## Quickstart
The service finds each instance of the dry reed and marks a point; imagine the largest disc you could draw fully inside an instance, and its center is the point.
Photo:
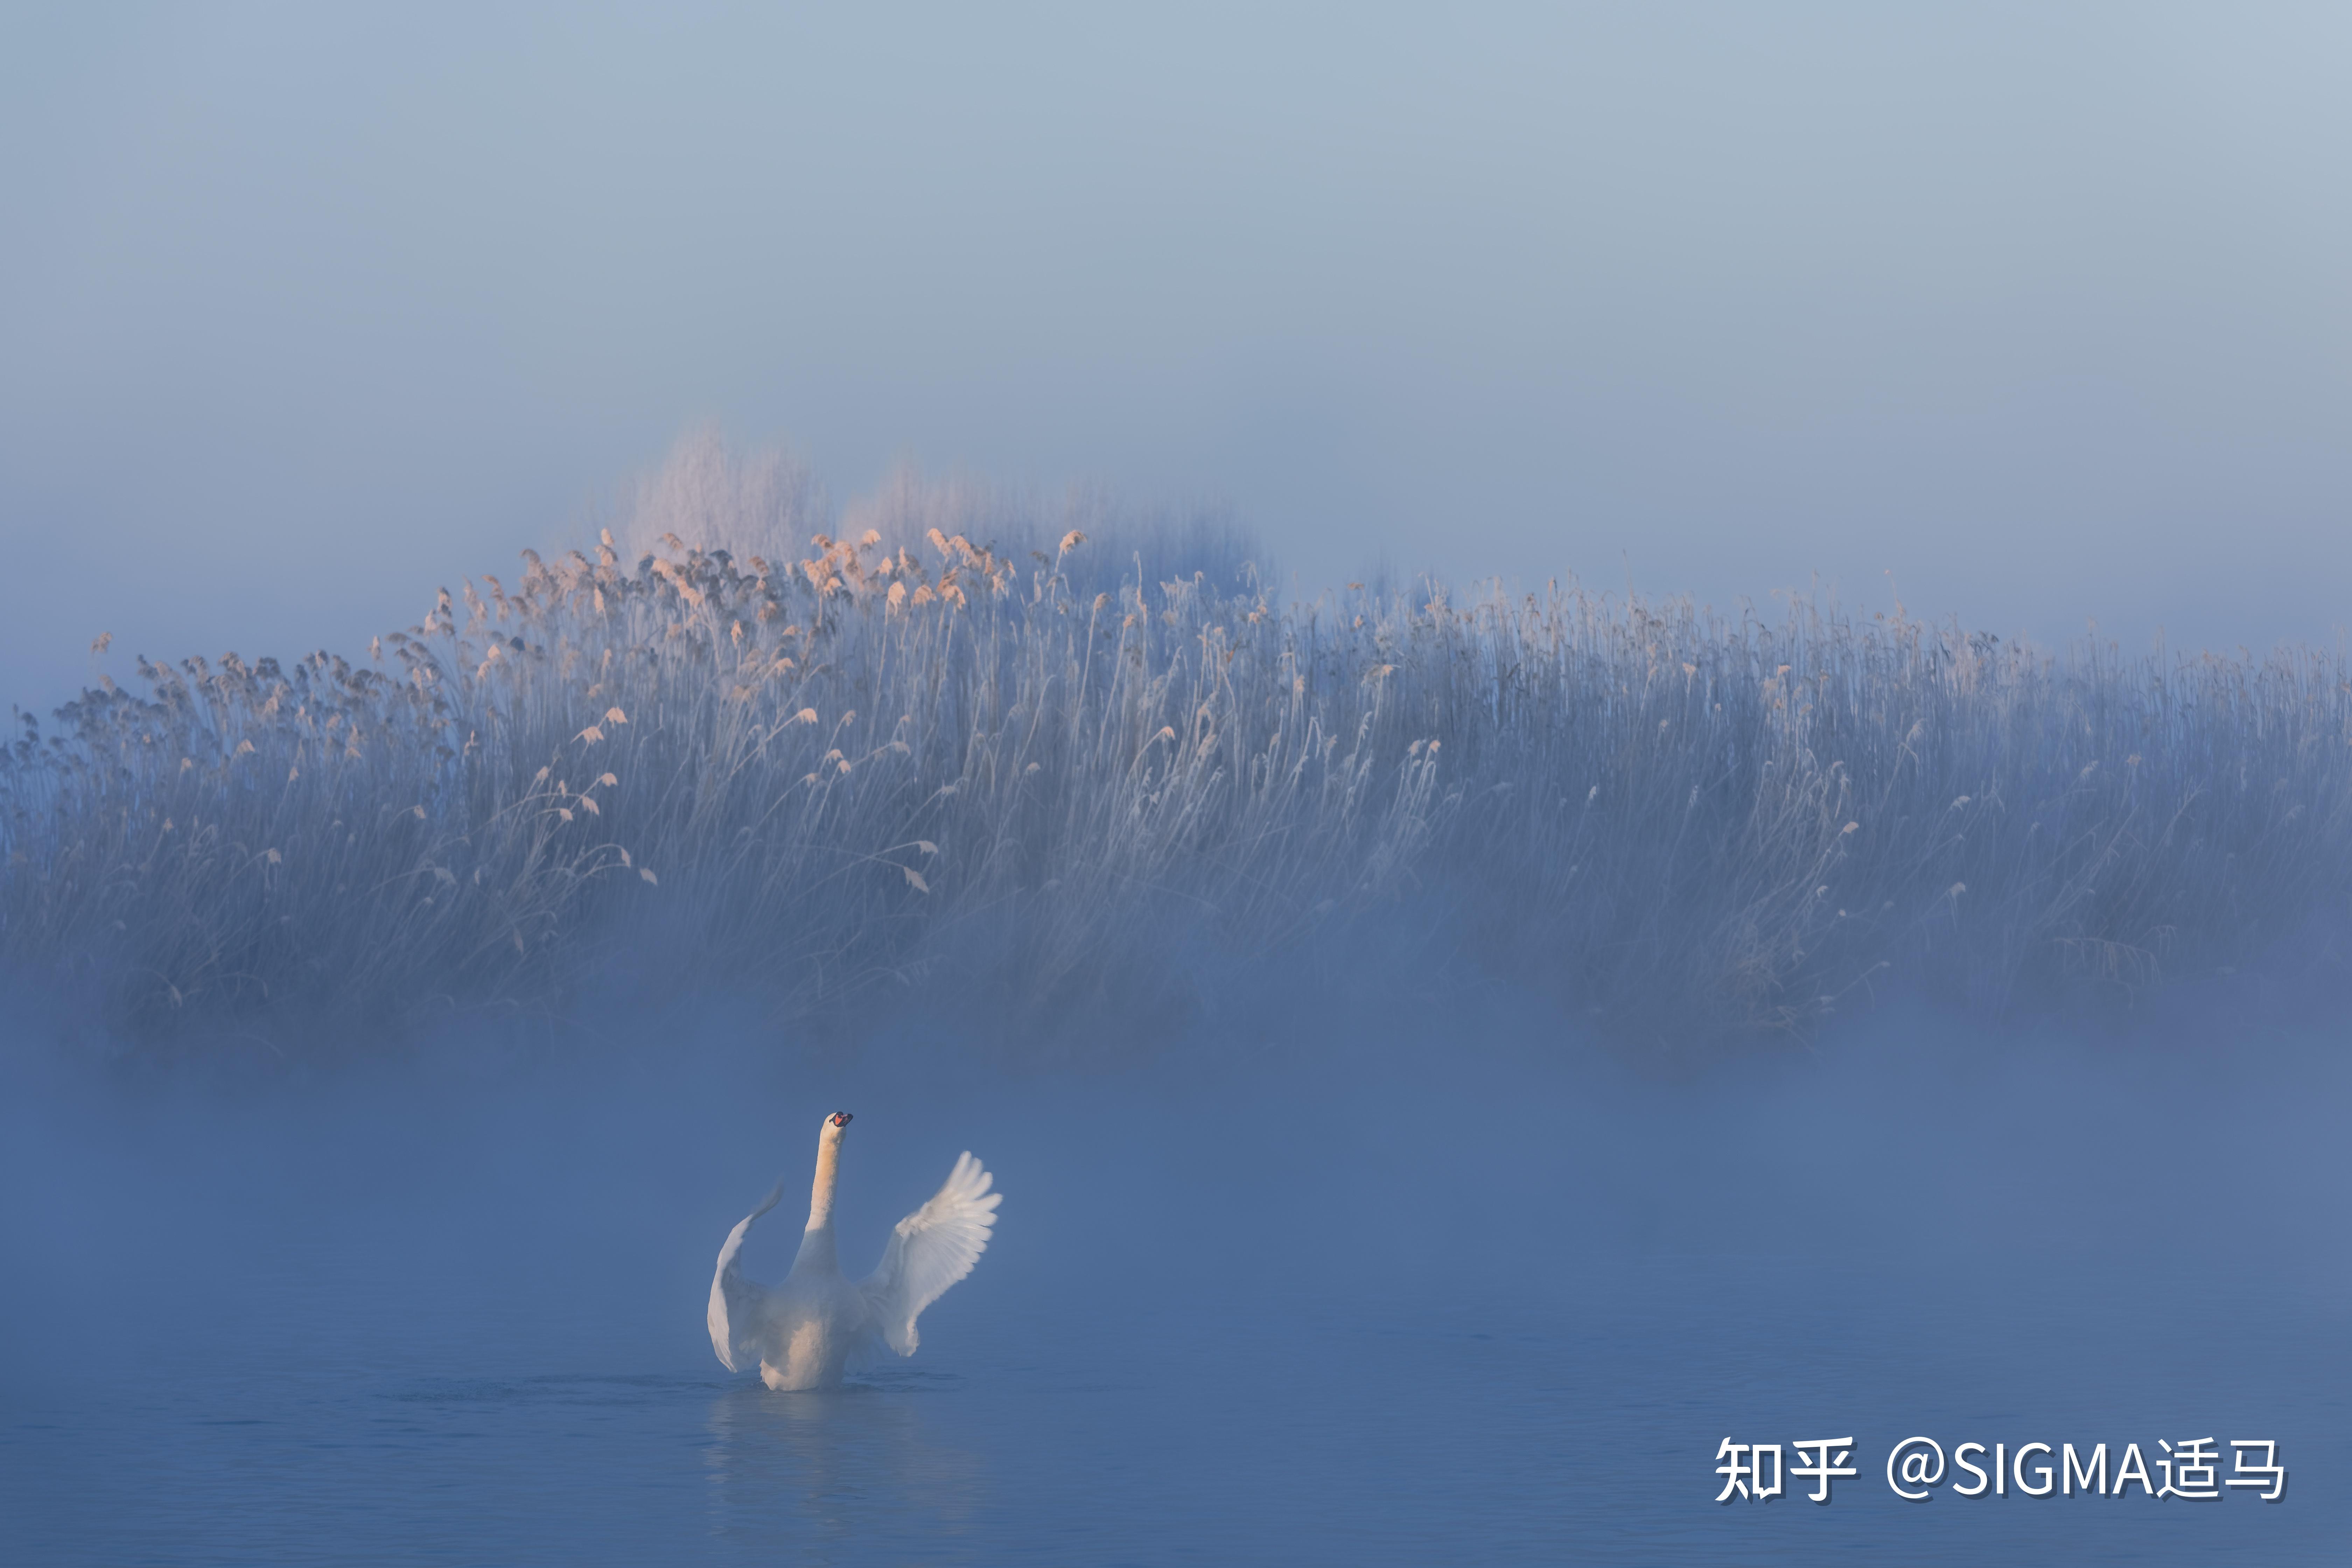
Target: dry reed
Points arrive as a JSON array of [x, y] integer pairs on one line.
[[1051, 776]]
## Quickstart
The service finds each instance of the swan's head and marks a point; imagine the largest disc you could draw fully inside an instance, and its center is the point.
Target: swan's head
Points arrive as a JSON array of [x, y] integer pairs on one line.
[[831, 1132]]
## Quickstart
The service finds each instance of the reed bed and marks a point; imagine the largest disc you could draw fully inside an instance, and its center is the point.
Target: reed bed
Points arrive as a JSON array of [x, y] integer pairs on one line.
[[1044, 780]]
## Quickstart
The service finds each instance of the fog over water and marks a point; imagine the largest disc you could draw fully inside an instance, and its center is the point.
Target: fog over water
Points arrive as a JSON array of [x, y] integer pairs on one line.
[[1405, 1141], [1429, 677], [1397, 1278]]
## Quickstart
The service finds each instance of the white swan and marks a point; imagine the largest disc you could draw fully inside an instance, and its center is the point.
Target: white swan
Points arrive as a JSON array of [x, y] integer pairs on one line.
[[807, 1328]]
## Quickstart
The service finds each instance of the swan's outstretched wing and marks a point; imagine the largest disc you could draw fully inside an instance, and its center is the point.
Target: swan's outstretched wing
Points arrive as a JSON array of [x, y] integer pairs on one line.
[[735, 1300], [931, 1250]]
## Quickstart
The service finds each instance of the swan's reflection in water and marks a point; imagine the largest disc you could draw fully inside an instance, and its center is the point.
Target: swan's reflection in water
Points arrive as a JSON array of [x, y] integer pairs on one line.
[[853, 1468]]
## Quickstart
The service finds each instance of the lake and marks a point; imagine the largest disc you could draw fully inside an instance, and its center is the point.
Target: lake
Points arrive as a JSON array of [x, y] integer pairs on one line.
[[1383, 1297]]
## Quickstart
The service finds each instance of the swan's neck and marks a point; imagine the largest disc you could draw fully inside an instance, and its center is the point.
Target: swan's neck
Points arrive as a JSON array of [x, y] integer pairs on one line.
[[816, 1244]]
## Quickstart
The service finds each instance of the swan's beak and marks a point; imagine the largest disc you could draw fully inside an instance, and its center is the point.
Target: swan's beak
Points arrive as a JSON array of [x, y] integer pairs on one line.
[[842, 1119]]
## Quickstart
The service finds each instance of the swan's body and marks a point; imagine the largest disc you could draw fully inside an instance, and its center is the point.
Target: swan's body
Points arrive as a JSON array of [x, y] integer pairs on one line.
[[804, 1331]]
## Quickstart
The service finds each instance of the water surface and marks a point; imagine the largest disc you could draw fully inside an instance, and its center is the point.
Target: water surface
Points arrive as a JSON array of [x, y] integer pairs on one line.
[[1410, 1306]]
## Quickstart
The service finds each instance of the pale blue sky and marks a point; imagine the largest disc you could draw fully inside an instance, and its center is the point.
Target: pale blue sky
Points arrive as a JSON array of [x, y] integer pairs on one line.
[[2042, 307]]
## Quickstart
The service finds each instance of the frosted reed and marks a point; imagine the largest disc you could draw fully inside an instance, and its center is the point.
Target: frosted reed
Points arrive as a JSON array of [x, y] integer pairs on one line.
[[1041, 778]]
